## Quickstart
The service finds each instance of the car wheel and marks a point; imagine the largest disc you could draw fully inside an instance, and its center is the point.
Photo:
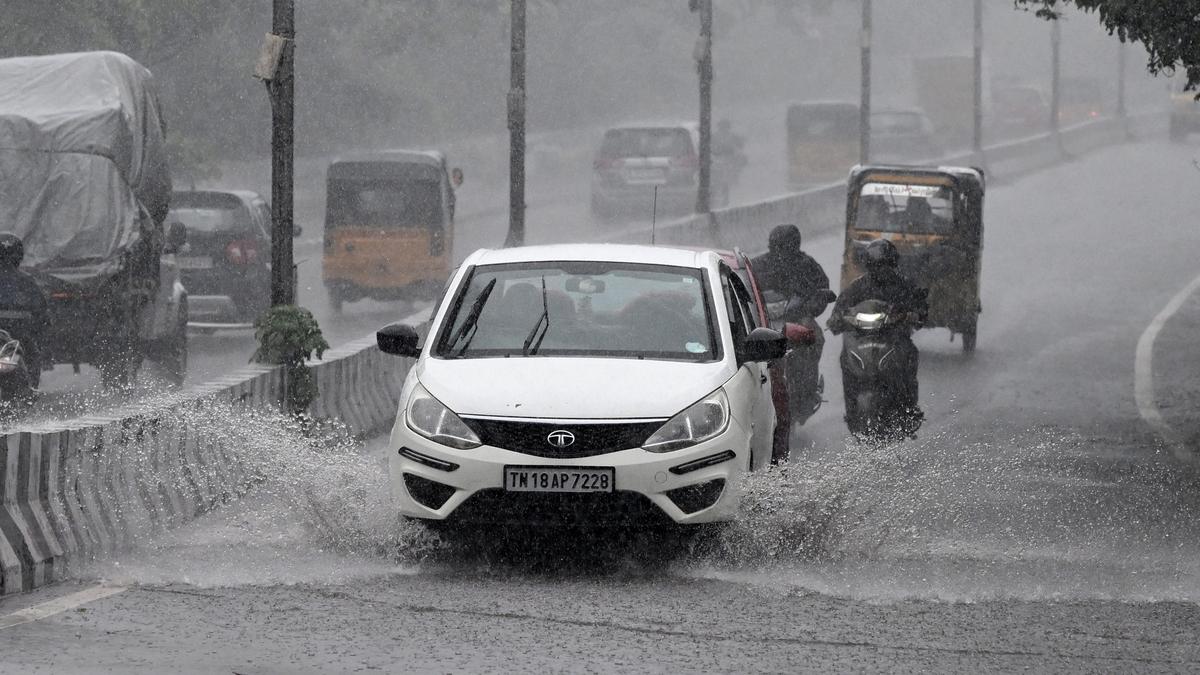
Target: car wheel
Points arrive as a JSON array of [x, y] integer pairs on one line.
[[968, 337]]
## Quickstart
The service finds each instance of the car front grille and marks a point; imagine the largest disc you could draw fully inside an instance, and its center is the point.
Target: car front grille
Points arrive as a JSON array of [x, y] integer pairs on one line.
[[609, 509], [533, 438]]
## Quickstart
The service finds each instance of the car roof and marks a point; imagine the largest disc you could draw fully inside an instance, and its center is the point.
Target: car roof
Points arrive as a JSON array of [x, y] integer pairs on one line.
[[243, 195], [622, 253], [431, 157]]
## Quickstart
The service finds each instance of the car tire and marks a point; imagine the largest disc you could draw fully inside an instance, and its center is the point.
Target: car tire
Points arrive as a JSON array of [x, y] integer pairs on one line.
[[968, 337]]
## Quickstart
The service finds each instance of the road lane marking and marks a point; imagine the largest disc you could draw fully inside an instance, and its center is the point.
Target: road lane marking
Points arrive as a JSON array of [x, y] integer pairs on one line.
[[58, 605], [1143, 370]]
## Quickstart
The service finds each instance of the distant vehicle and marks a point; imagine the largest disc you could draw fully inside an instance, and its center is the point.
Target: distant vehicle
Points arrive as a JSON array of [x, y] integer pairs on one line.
[[945, 93], [822, 142], [632, 162], [389, 226], [934, 216], [226, 262], [1079, 100], [902, 135], [1018, 111], [1185, 115], [584, 385], [87, 188]]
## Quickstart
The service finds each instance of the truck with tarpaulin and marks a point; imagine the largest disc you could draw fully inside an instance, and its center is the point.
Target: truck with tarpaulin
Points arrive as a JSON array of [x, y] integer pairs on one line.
[[85, 183]]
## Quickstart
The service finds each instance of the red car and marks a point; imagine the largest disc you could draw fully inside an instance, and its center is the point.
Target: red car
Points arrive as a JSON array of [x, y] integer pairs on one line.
[[796, 334]]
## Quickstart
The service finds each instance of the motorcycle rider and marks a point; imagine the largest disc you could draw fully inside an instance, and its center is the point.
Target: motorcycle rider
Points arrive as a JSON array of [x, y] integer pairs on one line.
[[884, 282], [786, 269], [23, 307]]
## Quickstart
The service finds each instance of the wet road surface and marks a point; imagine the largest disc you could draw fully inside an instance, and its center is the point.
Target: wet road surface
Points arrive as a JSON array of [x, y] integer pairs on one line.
[[1036, 523]]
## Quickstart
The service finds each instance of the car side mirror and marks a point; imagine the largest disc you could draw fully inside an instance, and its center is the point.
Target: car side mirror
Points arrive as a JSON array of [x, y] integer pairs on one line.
[[456, 177], [762, 344], [176, 237], [297, 231], [398, 339]]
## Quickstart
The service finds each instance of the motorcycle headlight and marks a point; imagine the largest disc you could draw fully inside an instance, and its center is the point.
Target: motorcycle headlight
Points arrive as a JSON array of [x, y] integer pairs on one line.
[[701, 421], [427, 416]]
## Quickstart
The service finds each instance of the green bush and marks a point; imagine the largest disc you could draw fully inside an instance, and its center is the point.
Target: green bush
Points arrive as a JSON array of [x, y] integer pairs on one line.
[[288, 336]]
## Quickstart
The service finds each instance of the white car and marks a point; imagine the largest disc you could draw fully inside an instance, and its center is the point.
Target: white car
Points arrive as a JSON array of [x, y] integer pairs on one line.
[[584, 384]]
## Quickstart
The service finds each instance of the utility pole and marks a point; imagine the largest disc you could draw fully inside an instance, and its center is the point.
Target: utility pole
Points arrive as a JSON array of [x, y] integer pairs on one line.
[[283, 140], [977, 139], [516, 128], [864, 106], [1055, 53], [704, 67], [1121, 53]]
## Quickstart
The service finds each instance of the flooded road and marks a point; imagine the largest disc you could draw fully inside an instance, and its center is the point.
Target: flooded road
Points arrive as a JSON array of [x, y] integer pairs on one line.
[[1036, 523]]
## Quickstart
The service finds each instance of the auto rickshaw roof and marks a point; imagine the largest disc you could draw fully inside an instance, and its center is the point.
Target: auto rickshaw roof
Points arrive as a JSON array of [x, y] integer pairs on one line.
[[972, 174]]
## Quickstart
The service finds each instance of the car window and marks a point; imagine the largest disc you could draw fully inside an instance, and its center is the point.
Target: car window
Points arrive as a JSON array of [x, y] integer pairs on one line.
[[650, 142], [745, 300], [739, 324], [588, 309]]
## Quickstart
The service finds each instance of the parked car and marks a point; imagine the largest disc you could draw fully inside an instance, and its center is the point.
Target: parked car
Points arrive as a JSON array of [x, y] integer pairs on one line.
[[1184, 116], [902, 135], [586, 384], [1080, 99], [226, 262], [633, 161]]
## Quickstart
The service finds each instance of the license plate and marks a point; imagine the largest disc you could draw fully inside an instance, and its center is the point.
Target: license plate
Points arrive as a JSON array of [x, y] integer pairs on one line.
[[557, 479], [194, 262]]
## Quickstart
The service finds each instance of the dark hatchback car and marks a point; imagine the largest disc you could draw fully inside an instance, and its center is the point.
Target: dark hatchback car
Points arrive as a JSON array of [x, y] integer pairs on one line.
[[225, 264]]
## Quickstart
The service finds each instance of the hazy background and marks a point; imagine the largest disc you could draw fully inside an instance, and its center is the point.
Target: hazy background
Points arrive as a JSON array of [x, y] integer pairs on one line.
[[375, 73]]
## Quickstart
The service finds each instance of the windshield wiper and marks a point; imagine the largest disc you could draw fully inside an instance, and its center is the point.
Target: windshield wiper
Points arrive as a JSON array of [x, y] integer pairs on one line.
[[543, 323], [472, 320]]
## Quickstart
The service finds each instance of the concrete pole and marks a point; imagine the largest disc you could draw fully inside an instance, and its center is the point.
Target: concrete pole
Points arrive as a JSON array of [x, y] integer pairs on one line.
[[705, 68], [977, 139], [864, 106], [282, 90], [516, 128], [1055, 60]]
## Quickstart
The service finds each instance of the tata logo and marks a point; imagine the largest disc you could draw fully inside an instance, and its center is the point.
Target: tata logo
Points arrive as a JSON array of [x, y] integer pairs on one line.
[[560, 438]]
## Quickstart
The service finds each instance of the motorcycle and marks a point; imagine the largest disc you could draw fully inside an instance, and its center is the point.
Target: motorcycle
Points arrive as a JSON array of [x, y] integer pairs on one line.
[[879, 392], [794, 317], [15, 381]]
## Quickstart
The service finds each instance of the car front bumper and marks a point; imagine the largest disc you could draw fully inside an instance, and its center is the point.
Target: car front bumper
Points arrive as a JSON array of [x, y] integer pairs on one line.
[[649, 488]]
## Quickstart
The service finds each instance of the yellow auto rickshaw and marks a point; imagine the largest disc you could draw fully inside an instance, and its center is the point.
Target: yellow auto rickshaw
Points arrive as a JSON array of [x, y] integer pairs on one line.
[[389, 226], [934, 216], [822, 142]]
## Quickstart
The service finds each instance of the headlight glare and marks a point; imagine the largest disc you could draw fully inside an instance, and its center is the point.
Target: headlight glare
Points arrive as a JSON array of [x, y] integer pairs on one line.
[[701, 421], [427, 416]]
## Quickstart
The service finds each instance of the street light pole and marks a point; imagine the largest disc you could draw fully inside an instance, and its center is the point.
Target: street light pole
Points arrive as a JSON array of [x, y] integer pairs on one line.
[[977, 139], [516, 128], [282, 94], [1055, 54], [864, 106], [704, 66]]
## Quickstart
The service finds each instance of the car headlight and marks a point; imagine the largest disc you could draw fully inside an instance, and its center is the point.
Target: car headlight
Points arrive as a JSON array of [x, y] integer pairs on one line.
[[701, 421], [427, 416]]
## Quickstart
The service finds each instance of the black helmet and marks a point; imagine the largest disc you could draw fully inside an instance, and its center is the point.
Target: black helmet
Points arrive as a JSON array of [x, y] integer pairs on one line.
[[12, 250], [880, 254], [784, 239]]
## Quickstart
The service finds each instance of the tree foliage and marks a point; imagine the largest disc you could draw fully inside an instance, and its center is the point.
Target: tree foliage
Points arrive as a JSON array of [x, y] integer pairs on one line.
[[1169, 29]]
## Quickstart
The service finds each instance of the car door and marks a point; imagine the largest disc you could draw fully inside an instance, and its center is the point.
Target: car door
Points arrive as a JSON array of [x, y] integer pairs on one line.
[[751, 385]]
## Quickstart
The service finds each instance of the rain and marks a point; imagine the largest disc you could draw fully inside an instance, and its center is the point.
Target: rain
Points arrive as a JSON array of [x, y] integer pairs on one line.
[[249, 482]]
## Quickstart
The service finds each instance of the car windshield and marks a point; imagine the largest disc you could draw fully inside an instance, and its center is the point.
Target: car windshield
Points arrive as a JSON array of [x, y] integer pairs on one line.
[[905, 209], [897, 123], [206, 219], [666, 142], [384, 202], [581, 309]]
